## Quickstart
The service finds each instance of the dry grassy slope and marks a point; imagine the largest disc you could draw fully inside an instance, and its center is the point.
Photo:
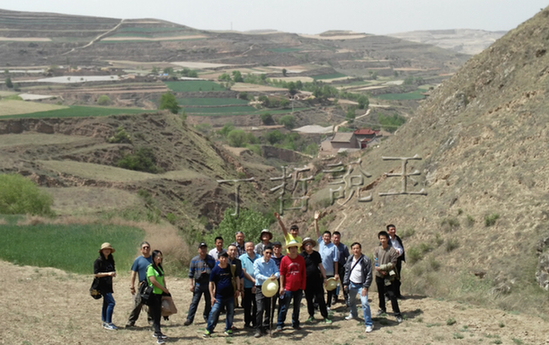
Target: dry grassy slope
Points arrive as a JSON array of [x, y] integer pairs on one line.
[[483, 139]]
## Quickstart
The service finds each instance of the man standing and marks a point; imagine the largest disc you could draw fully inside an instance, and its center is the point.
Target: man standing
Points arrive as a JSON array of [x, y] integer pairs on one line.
[[223, 294], [357, 280], [139, 268], [239, 242], [293, 279], [294, 231], [248, 302], [396, 243], [264, 269], [199, 273], [218, 247], [330, 256], [343, 256], [385, 258], [316, 278], [265, 237], [236, 270]]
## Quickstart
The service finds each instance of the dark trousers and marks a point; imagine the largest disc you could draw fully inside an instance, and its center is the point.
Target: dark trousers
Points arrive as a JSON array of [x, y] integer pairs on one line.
[[331, 294], [198, 292], [155, 307], [263, 309], [314, 290], [388, 290], [341, 272], [285, 304], [137, 306], [397, 282], [250, 307]]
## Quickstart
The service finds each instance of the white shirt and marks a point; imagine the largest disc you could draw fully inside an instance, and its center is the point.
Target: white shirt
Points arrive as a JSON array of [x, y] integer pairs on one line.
[[396, 245], [356, 272], [214, 253]]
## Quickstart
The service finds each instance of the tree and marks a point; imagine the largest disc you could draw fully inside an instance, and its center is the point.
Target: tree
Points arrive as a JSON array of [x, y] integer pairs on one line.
[[168, 70], [168, 101], [350, 116], [9, 83], [20, 195], [274, 137], [363, 102], [155, 70], [249, 222], [284, 71], [292, 88], [243, 95], [103, 100], [237, 77], [287, 121], [267, 119], [237, 138], [224, 77], [226, 129]]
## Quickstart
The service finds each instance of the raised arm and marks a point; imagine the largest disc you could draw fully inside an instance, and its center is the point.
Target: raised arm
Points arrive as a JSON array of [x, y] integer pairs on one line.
[[316, 217], [281, 223]]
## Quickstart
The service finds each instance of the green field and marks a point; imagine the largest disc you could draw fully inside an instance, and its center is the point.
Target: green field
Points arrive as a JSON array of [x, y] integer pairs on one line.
[[328, 76], [402, 96], [223, 110], [68, 247], [193, 86], [78, 111], [210, 101]]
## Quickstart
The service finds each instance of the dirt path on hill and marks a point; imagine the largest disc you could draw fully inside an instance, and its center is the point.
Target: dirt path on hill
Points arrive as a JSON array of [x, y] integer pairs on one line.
[[50, 306]]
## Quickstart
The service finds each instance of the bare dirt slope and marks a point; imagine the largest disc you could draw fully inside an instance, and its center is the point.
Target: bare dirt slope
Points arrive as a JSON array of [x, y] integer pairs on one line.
[[62, 312]]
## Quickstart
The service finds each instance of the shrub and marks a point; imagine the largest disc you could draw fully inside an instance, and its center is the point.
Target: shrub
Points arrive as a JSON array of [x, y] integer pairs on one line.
[[204, 128], [470, 220], [274, 137], [451, 321], [142, 160], [237, 138], [267, 119], [19, 195], [103, 100], [450, 224], [413, 255], [407, 233], [243, 95], [490, 220], [226, 129], [249, 222], [120, 137], [451, 244]]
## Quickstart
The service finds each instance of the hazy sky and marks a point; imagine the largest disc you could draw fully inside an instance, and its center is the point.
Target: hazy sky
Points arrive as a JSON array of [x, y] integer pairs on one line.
[[305, 16]]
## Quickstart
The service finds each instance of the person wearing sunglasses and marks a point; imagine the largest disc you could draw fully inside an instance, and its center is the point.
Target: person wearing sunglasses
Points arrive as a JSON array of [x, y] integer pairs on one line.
[[139, 270]]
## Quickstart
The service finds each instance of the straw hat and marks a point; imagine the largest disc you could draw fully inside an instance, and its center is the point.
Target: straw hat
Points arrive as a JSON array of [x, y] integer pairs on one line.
[[265, 231], [293, 243], [308, 239], [106, 245], [269, 288], [331, 284]]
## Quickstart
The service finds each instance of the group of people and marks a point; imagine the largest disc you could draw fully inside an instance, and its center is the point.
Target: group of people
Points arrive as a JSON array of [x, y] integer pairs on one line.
[[260, 276]]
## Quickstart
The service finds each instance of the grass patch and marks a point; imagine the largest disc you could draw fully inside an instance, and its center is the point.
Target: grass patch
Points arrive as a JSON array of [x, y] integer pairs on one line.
[[193, 86], [19, 195], [210, 101], [451, 321], [221, 110], [328, 76], [68, 247], [452, 244], [491, 219], [78, 111]]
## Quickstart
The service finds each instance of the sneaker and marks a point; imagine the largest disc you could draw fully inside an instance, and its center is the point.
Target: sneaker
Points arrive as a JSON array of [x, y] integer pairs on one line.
[[349, 317], [130, 325], [160, 341], [328, 308], [381, 312], [258, 334], [328, 321], [278, 329], [369, 328], [161, 336], [207, 334], [310, 319], [229, 332], [187, 322], [109, 326], [399, 319], [297, 328]]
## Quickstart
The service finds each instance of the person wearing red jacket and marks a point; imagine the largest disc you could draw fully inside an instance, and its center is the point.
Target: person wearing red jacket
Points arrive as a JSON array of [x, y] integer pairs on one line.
[[293, 279]]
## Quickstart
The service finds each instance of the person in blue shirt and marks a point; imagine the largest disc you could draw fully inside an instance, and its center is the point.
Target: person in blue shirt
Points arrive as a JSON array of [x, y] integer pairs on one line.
[[199, 273], [223, 294], [330, 256], [248, 302], [139, 269], [264, 269]]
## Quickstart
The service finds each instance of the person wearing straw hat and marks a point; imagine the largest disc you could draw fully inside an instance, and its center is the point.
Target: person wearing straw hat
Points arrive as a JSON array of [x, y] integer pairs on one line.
[[264, 269], [357, 280], [330, 257], [293, 279], [103, 268], [316, 276], [265, 237]]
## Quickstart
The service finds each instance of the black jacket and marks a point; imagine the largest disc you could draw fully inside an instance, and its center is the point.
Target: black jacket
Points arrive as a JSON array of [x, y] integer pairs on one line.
[[101, 265], [401, 258], [365, 264]]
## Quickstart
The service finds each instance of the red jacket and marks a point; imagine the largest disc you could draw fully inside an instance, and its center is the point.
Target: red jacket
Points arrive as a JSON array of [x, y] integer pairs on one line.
[[293, 270]]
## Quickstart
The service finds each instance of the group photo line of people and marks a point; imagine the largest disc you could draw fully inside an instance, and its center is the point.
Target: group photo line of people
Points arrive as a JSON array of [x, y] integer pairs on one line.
[[263, 281]]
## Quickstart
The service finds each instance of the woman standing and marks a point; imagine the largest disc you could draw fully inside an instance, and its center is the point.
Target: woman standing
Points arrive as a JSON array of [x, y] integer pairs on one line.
[[103, 268], [155, 277]]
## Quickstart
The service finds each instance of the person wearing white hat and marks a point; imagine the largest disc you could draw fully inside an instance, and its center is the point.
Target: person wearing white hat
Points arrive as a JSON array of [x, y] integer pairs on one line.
[[265, 237], [293, 279], [103, 268]]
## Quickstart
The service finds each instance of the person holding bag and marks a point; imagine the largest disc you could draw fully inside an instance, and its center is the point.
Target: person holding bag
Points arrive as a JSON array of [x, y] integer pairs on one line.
[[156, 279], [103, 269]]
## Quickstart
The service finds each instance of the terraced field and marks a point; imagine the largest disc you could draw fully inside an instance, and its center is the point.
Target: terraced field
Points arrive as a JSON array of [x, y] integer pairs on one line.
[[77, 111], [193, 86]]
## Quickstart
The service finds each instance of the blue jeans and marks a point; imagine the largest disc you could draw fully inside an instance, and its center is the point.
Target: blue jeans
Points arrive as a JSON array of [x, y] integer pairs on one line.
[[355, 289], [285, 304], [228, 303], [108, 308], [198, 291]]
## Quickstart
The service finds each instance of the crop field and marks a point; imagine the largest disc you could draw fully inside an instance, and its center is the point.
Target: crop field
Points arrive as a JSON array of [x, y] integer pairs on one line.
[[15, 107], [78, 111], [39, 138], [328, 76], [402, 96], [210, 101], [222, 110], [193, 86], [69, 247]]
